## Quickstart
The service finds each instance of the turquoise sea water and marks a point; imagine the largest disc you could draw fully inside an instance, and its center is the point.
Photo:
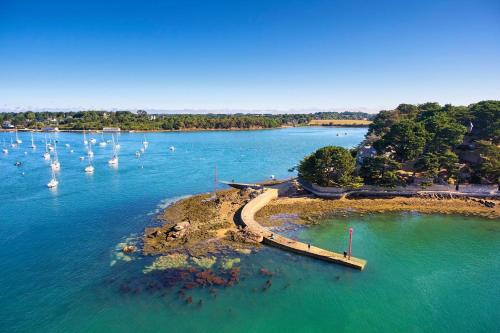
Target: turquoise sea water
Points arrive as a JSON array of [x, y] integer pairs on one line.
[[59, 271]]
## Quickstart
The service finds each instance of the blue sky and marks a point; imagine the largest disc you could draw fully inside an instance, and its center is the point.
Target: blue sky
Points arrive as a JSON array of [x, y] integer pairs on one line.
[[253, 54]]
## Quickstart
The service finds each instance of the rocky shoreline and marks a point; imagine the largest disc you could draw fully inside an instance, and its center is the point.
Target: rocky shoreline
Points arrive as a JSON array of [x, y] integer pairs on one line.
[[205, 224], [202, 225]]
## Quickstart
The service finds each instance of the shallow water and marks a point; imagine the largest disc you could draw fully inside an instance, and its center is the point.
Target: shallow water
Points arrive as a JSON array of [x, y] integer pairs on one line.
[[424, 273]]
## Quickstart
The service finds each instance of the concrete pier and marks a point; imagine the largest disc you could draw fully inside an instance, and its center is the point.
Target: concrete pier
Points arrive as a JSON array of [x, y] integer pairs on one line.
[[272, 239]]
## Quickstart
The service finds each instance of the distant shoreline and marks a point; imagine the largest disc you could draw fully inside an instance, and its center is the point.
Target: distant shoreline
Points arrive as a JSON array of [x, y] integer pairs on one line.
[[180, 130]]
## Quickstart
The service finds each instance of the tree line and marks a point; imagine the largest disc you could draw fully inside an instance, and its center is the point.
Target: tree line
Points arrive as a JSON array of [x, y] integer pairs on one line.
[[141, 120]]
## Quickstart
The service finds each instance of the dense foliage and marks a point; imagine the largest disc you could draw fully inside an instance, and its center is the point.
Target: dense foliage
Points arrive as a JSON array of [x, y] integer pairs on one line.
[[443, 143], [329, 166], [430, 142], [141, 120]]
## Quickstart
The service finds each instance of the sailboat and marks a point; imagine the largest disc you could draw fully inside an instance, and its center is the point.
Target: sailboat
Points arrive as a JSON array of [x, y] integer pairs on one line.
[[33, 146], [90, 168], [46, 155], [55, 165], [117, 145], [145, 142], [53, 182], [18, 141], [102, 143], [85, 142], [12, 144], [90, 153], [114, 158], [172, 148]]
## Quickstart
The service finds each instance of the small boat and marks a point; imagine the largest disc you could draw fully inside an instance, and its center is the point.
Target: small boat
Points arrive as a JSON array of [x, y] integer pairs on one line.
[[85, 141], [18, 164], [18, 141], [33, 146], [145, 142], [82, 158], [103, 143], [137, 154], [142, 150], [114, 158], [172, 148], [12, 144], [71, 151], [66, 145], [53, 182], [93, 141], [46, 154], [55, 165], [90, 168]]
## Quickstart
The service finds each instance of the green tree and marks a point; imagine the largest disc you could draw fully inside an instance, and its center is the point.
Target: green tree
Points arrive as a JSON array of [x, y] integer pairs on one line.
[[428, 164], [444, 132], [406, 140], [329, 166], [486, 120], [380, 170], [448, 161], [489, 168]]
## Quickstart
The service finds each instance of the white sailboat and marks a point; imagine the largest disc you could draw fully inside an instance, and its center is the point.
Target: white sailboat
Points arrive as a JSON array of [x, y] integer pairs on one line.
[[55, 165], [18, 141], [53, 182], [172, 148], [51, 146], [12, 144], [90, 153], [46, 155], [103, 143], [93, 141], [114, 158], [117, 145], [89, 168], [85, 142], [145, 142], [33, 146]]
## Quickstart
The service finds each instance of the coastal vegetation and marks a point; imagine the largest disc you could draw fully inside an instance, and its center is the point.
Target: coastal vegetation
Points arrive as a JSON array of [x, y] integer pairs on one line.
[[329, 166], [426, 143], [141, 120]]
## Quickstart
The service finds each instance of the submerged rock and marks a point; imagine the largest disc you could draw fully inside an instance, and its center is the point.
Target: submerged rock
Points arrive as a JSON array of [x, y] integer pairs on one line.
[[174, 260], [204, 262], [229, 263]]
